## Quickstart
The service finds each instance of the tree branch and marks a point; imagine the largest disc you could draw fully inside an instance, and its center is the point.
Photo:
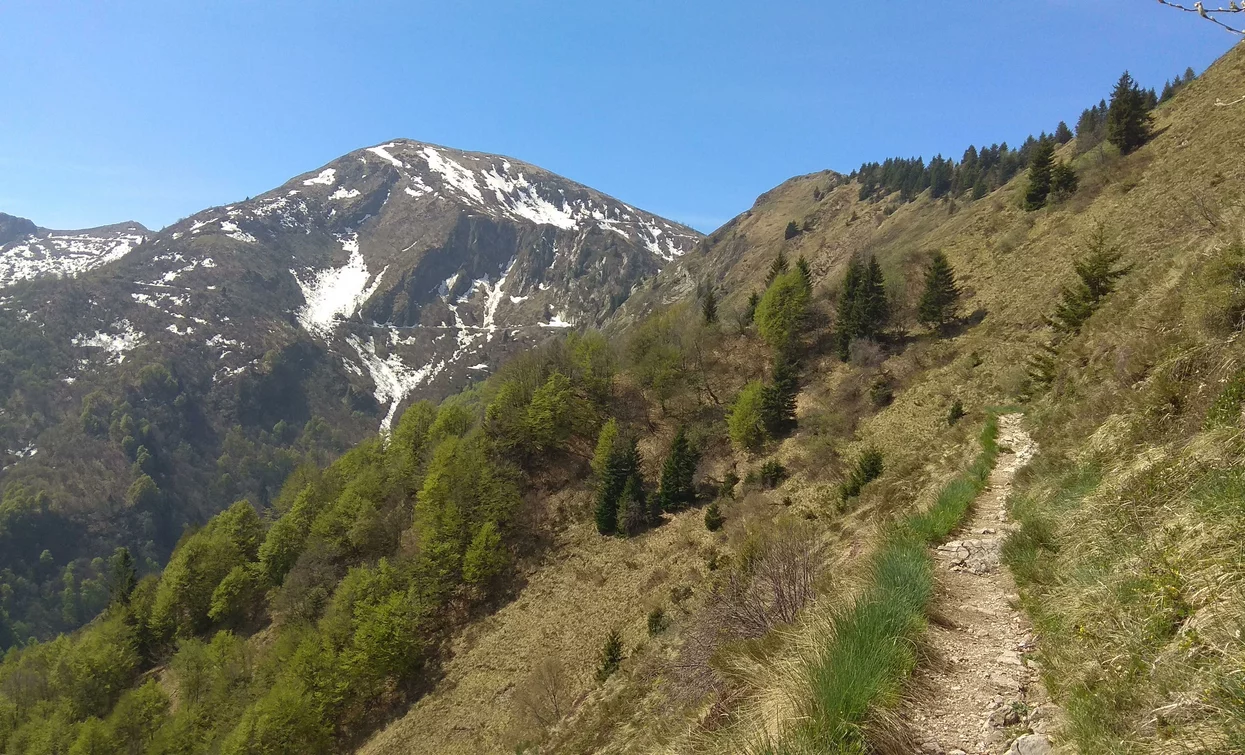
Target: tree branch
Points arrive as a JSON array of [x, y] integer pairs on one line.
[[1210, 14]]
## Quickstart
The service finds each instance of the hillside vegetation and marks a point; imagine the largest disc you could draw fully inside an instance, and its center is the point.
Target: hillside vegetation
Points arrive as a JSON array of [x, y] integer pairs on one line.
[[668, 539]]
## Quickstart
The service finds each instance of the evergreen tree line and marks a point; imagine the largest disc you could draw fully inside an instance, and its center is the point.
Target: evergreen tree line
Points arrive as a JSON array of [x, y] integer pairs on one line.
[[983, 169]]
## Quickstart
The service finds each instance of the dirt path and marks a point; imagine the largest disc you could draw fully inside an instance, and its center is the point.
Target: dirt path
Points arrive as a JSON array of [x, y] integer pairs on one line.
[[978, 693]]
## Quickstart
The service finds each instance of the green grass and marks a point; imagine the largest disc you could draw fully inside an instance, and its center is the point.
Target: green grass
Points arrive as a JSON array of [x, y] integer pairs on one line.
[[872, 646]]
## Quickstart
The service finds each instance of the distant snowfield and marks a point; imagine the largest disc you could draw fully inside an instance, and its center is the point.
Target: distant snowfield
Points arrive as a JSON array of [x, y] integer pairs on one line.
[[63, 256]]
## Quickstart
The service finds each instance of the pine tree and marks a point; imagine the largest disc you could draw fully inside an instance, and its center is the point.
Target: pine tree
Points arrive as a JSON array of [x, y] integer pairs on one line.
[[980, 189], [1063, 134], [1150, 99], [611, 656], [846, 325], [863, 308], [622, 464], [709, 307], [779, 398], [750, 311], [1096, 275], [806, 273], [1128, 122], [938, 300], [713, 517], [1063, 181], [776, 268], [633, 512], [122, 576], [1039, 175], [678, 475], [873, 310], [791, 231]]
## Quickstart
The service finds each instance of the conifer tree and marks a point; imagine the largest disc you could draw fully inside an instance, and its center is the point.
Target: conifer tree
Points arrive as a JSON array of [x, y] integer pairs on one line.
[[709, 307], [791, 231], [611, 656], [938, 300], [863, 309], [1063, 181], [1128, 122], [754, 300], [980, 189], [1063, 134], [678, 475], [633, 512], [873, 310], [622, 464], [776, 268], [846, 326], [806, 273], [1039, 175], [779, 398], [122, 576], [1096, 275]]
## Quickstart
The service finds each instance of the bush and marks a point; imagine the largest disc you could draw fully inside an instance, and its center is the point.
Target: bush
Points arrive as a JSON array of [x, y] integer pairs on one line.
[[727, 488], [713, 518], [657, 621], [772, 473], [868, 468], [955, 412], [611, 656]]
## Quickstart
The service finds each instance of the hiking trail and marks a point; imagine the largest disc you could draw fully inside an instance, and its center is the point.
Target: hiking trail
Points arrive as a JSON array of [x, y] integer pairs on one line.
[[978, 693]]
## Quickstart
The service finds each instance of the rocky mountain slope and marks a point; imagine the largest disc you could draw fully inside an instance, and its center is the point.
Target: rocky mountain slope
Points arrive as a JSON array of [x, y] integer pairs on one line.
[[396, 272]]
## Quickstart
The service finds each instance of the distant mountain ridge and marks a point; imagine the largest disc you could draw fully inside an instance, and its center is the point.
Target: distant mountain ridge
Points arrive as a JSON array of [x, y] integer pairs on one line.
[[211, 357]]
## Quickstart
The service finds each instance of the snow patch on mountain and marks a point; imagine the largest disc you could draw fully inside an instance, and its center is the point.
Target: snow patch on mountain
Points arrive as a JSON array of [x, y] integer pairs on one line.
[[62, 255], [327, 177], [382, 153], [336, 292], [344, 193], [394, 380], [453, 174], [232, 230], [116, 344]]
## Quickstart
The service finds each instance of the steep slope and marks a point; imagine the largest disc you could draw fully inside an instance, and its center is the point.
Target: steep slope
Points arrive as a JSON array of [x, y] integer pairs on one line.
[[203, 362], [1128, 551]]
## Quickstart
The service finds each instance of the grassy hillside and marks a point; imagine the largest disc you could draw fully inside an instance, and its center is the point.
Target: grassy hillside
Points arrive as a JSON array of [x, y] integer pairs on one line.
[[449, 589]]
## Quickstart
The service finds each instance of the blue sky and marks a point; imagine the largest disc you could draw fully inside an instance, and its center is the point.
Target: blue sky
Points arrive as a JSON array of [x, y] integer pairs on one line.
[[154, 110]]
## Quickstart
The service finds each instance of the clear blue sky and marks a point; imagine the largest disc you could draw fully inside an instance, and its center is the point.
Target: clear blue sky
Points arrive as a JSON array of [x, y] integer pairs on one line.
[[154, 110]]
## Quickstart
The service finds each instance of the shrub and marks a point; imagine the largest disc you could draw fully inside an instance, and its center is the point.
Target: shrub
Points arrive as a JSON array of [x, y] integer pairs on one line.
[[868, 468], [772, 473], [881, 392], [713, 517], [955, 412], [611, 656], [791, 231], [727, 488], [657, 621]]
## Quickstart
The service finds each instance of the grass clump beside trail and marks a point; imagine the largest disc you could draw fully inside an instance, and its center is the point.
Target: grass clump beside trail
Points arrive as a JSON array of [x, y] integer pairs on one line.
[[870, 651]]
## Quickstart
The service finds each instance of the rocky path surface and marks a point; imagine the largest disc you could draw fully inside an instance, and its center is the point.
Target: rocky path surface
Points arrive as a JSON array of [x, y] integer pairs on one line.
[[978, 694]]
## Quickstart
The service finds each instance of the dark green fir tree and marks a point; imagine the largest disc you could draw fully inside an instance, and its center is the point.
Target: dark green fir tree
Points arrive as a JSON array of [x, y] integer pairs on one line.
[[941, 294], [678, 474], [1039, 175], [1128, 119]]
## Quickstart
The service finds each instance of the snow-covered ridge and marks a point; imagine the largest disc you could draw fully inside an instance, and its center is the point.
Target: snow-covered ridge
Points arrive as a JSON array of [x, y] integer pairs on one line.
[[62, 255], [502, 189]]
